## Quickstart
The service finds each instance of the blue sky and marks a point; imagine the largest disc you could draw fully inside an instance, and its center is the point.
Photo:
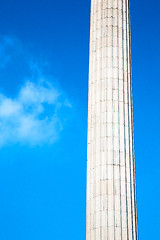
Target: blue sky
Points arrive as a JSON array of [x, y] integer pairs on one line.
[[44, 54]]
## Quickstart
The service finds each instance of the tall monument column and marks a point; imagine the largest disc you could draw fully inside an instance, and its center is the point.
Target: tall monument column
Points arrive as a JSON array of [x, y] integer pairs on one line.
[[111, 186]]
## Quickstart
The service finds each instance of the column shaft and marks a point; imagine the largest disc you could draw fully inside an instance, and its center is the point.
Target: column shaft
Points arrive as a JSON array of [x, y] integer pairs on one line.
[[111, 188]]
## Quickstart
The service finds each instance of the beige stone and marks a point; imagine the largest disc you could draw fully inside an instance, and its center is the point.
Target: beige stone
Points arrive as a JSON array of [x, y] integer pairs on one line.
[[111, 191]]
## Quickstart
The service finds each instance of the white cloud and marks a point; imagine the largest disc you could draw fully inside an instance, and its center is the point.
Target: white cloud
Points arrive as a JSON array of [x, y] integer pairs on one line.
[[34, 116], [37, 93], [8, 107]]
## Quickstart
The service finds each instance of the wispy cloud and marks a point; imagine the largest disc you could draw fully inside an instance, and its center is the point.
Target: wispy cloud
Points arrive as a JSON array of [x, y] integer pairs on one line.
[[33, 115]]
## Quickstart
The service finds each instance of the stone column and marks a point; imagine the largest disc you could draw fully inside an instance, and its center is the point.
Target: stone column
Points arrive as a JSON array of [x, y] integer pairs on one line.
[[111, 187]]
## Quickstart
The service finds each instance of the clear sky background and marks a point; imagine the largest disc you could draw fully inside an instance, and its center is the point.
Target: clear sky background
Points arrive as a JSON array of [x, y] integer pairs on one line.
[[44, 55]]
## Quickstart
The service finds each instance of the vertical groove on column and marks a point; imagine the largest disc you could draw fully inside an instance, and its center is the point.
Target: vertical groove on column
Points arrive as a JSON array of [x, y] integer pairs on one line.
[[112, 79], [91, 106], [88, 210], [93, 130], [124, 114], [95, 114], [91, 109], [119, 120], [132, 126], [100, 121], [107, 133], [127, 50]]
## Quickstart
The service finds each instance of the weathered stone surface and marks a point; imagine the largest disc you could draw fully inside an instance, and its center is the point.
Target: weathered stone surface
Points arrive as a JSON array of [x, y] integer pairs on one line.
[[111, 187]]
